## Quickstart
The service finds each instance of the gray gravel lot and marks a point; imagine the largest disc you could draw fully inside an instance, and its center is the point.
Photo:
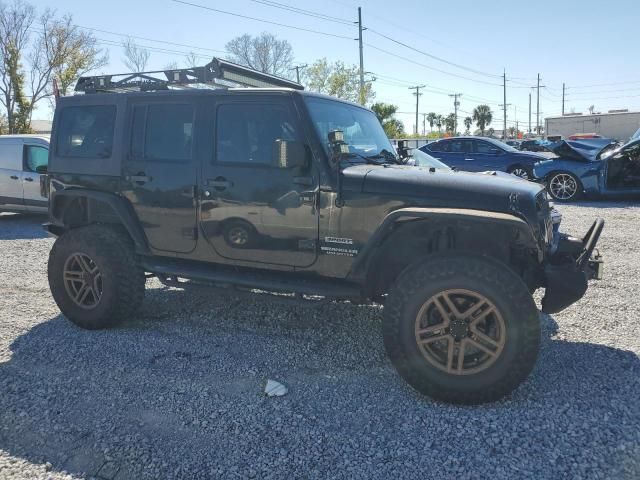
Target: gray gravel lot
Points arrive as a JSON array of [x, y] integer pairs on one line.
[[177, 392]]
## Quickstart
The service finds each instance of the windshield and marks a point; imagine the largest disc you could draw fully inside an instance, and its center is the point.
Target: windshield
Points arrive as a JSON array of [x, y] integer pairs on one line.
[[362, 130], [423, 159]]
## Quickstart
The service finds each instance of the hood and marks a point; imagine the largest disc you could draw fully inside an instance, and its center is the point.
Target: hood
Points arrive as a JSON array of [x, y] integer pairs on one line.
[[587, 150], [440, 188]]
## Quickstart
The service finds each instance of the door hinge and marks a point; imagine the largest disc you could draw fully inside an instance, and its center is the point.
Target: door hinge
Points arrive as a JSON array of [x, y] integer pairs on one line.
[[307, 244]]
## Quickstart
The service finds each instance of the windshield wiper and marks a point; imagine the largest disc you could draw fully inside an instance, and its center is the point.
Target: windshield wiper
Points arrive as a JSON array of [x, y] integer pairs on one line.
[[371, 159], [385, 154]]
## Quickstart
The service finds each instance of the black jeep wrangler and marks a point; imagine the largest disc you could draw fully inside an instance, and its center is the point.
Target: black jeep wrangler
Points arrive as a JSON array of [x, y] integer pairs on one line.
[[283, 190]]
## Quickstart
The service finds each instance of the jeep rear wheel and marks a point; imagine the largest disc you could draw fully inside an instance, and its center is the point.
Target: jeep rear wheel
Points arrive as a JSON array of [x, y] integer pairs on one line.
[[461, 329], [94, 276]]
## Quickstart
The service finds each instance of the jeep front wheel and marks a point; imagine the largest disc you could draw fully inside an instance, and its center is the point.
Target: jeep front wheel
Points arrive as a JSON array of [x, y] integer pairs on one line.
[[94, 276], [461, 329]]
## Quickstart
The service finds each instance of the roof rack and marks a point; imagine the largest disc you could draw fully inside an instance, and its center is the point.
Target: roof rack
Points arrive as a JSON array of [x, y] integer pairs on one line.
[[216, 74]]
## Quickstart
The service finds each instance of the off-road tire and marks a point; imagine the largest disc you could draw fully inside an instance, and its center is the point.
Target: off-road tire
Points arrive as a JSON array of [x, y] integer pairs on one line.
[[123, 280], [489, 278]]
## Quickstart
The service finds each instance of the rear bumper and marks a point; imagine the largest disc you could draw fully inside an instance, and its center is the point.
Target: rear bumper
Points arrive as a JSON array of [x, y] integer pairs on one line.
[[573, 264]]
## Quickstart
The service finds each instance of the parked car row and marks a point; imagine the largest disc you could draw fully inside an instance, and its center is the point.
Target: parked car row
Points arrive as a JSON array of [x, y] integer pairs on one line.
[[584, 167]]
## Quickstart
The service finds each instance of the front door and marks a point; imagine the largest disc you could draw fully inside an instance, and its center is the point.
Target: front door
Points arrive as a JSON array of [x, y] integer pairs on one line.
[[36, 160], [11, 193], [160, 172], [252, 209], [622, 171]]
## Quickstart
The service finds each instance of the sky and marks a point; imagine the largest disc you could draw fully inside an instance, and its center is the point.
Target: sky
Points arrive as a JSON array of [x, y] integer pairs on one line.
[[462, 47]]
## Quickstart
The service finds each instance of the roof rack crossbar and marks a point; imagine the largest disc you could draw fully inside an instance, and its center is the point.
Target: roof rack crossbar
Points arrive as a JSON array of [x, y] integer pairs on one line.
[[216, 74]]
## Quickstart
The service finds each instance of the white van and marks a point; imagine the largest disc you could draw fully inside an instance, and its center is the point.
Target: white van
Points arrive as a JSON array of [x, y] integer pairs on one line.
[[23, 158]]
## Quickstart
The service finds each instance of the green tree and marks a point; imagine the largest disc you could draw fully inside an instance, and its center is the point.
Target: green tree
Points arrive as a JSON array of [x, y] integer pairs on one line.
[[20, 119], [431, 118], [450, 123], [385, 112], [468, 121], [439, 122], [336, 79], [482, 115]]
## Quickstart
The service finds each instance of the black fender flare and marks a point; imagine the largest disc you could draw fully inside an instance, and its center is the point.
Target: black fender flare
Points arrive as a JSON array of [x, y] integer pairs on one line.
[[522, 232], [101, 207]]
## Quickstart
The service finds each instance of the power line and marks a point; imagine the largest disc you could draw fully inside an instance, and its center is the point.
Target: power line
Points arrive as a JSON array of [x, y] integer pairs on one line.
[[302, 11], [462, 67], [204, 7], [150, 39], [605, 84], [427, 66]]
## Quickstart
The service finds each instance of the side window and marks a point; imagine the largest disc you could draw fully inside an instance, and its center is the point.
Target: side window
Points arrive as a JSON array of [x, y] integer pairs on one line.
[[246, 133], [36, 157], [484, 147], [86, 131], [441, 146], [459, 146], [162, 132]]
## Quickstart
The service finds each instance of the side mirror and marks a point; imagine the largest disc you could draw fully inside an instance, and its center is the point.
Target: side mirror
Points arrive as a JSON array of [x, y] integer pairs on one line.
[[42, 169], [289, 154]]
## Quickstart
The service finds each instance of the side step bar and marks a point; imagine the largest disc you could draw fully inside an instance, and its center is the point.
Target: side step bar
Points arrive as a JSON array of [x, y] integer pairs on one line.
[[283, 282]]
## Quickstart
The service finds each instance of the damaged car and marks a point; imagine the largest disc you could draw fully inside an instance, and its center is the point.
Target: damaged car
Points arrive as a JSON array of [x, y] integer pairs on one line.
[[591, 168]]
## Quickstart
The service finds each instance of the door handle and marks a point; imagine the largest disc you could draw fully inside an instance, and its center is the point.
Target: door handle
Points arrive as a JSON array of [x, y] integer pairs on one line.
[[469, 159], [28, 179], [13, 177], [219, 183], [140, 179]]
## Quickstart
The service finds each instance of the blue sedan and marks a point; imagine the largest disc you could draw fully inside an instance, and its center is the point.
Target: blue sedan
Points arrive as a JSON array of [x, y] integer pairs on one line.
[[596, 167], [478, 154]]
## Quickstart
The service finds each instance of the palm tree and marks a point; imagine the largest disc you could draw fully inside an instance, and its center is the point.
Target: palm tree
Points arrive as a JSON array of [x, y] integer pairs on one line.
[[431, 118], [450, 123], [439, 122], [482, 115], [467, 123]]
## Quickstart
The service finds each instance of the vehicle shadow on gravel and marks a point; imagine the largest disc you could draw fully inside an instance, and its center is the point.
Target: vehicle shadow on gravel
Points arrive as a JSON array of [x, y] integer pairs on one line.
[[177, 393], [22, 226]]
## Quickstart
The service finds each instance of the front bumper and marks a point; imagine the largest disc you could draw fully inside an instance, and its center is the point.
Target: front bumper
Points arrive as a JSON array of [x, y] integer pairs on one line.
[[574, 262]]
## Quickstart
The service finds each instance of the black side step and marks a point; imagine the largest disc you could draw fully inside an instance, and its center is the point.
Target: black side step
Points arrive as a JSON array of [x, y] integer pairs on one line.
[[264, 280]]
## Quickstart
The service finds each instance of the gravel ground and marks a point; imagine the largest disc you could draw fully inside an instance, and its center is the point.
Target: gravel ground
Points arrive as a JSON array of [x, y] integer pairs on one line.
[[177, 392]]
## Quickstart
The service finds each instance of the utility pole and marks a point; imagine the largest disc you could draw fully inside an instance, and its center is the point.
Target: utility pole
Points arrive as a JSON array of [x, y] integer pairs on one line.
[[297, 68], [529, 112], [362, 99], [417, 94], [538, 106], [456, 104], [504, 106], [563, 99]]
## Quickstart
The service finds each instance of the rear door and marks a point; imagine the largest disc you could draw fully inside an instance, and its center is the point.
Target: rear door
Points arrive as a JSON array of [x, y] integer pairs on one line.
[[160, 170], [11, 193], [35, 159]]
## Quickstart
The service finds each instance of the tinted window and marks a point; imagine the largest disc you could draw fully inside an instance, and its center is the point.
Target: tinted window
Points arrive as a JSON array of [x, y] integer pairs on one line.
[[36, 157], [460, 146], [162, 132], [485, 147], [86, 132], [246, 133], [439, 146]]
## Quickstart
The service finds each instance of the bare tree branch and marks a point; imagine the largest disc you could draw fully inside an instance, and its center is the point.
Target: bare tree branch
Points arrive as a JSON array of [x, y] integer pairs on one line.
[[264, 53], [135, 57]]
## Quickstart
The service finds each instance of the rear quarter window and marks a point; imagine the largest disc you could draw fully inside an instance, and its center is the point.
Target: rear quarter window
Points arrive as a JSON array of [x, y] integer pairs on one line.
[[86, 131]]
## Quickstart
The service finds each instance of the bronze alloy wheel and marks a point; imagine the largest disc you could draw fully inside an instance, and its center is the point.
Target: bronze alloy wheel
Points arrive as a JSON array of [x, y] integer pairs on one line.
[[460, 332], [82, 280]]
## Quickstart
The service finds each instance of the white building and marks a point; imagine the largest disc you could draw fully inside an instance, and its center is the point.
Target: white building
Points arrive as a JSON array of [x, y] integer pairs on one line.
[[617, 124]]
